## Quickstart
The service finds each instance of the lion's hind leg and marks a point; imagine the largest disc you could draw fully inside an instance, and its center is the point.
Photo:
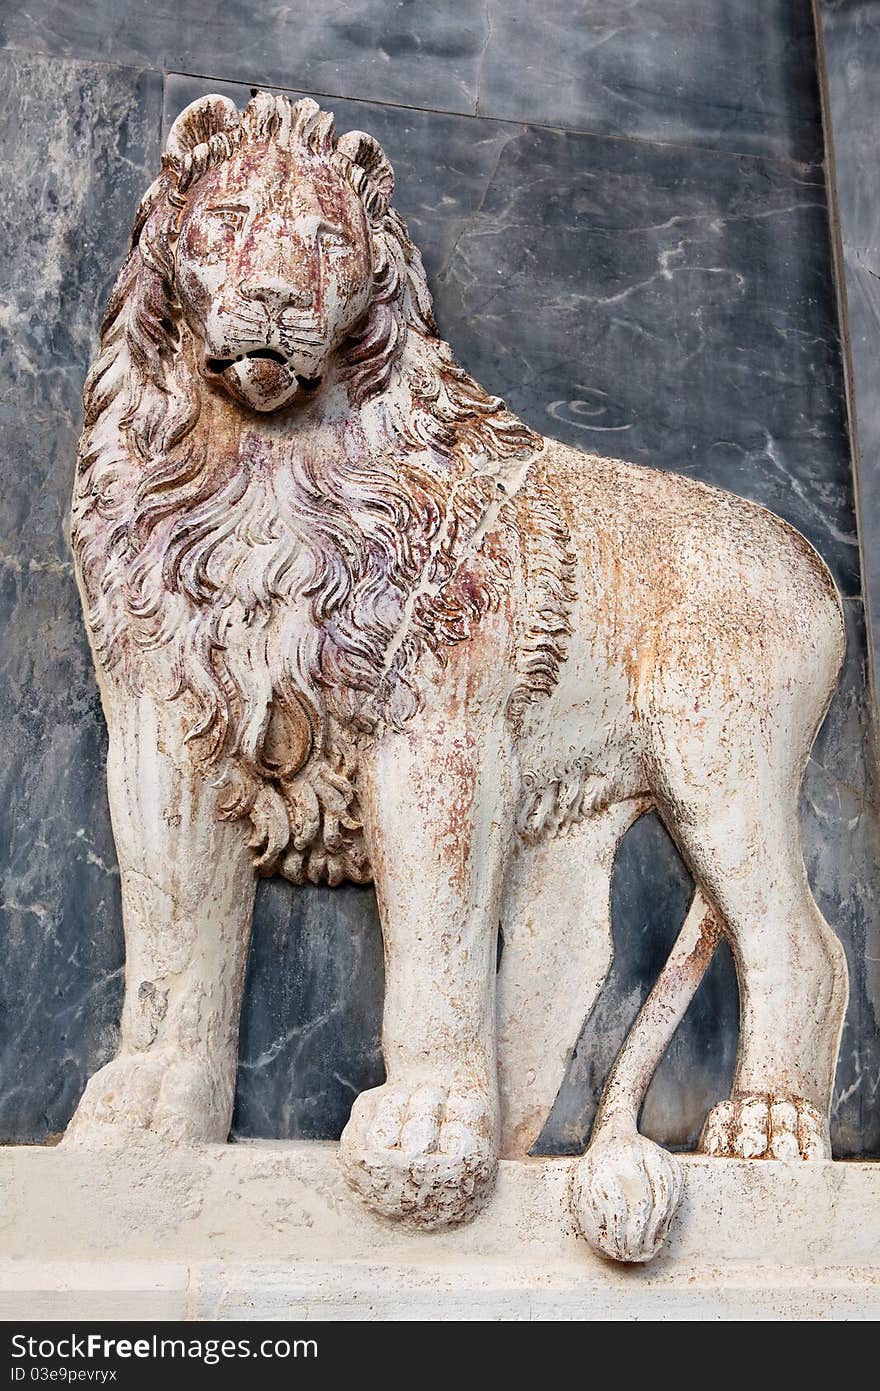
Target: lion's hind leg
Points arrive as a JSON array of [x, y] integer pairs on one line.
[[792, 980], [727, 731], [793, 993], [726, 762]]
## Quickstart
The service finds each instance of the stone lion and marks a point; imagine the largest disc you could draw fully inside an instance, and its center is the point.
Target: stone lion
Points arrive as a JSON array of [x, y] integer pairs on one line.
[[354, 620]]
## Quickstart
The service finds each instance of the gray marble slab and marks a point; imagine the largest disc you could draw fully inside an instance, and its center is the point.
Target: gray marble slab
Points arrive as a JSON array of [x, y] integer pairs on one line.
[[851, 40], [726, 74], [681, 313], [311, 1025], [78, 144], [418, 53]]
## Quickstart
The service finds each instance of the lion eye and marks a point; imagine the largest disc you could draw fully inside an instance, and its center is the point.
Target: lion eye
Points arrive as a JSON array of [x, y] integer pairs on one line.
[[232, 215], [332, 238]]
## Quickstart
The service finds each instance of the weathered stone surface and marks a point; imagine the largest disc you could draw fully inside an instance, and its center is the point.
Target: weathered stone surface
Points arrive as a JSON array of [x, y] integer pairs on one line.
[[465, 188], [265, 1230]]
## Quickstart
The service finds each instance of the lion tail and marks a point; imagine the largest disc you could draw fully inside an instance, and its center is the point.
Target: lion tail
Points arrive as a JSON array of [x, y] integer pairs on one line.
[[625, 1189]]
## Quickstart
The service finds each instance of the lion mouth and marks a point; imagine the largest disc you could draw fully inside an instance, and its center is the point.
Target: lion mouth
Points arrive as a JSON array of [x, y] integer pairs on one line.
[[219, 365]]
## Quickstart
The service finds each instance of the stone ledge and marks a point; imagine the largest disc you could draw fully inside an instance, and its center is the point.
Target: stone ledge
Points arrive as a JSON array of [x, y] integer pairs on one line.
[[268, 1230]]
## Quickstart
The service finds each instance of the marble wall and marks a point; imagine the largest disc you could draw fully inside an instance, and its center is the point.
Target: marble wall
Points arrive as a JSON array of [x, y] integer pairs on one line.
[[624, 218], [851, 50]]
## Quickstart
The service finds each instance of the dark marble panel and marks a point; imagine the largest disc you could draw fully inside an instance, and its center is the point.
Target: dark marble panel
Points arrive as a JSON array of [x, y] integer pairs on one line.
[[60, 910], [851, 41], [850, 34], [416, 53], [311, 1024], [730, 74], [863, 325], [78, 144], [840, 827]]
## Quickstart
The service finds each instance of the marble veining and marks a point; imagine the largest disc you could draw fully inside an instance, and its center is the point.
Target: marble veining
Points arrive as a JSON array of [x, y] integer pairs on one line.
[[725, 74], [78, 141], [851, 42], [721, 74], [413, 54]]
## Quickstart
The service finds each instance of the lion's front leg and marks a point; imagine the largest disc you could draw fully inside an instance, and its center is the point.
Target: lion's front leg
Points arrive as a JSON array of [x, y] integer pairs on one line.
[[425, 1145], [187, 900]]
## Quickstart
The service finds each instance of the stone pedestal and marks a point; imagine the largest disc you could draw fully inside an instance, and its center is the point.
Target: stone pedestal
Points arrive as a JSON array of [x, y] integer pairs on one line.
[[266, 1230]]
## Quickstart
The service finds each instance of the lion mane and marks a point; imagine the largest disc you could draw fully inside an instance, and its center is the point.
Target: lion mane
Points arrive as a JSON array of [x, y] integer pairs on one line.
[[397, 538]]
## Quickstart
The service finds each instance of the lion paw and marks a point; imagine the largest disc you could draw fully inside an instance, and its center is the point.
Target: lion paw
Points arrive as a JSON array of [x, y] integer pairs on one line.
[[624, 1193], [425, 1154], [762, 1126], [177, 1097]]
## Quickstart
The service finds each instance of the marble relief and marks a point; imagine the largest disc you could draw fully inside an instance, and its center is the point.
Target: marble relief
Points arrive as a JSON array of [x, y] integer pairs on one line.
[[353, 620], [468, 187]]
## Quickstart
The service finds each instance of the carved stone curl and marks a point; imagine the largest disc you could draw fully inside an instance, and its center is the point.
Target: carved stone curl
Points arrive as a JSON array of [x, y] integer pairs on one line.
[[354, 620]]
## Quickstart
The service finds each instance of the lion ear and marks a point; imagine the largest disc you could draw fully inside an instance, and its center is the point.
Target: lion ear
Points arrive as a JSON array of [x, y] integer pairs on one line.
[[367, 154], [198, 122]]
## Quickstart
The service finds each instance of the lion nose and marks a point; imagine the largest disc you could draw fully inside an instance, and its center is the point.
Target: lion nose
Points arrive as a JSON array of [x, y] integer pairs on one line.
[[277, 295]]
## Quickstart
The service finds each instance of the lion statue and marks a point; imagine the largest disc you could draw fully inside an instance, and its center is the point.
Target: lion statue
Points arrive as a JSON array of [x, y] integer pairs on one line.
[[353, 620]]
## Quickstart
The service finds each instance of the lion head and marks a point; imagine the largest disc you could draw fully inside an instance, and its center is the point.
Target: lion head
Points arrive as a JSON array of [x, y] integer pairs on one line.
[[275, 435], [274, 272]]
